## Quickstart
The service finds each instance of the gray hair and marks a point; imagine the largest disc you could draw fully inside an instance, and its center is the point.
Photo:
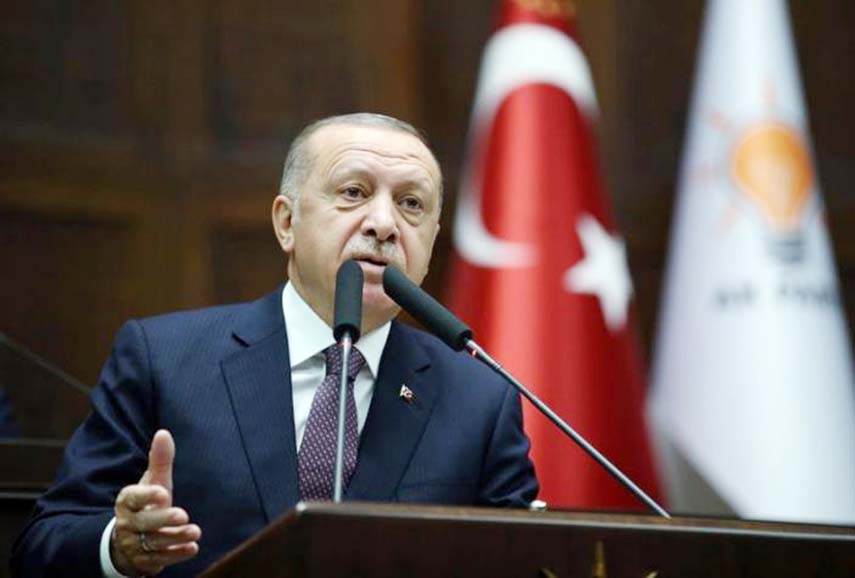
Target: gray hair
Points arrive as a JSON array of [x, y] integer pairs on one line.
[[298, 162]]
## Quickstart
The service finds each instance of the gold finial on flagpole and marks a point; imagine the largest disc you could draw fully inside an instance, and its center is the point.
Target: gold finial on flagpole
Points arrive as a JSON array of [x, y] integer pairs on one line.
[[550, 8]]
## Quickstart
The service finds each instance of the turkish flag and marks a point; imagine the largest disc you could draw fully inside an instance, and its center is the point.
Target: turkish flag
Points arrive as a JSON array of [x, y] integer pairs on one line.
[[539, 271]]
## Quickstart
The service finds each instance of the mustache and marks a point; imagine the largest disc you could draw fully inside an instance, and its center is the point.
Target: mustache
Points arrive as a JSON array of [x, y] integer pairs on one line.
[[372, 248]]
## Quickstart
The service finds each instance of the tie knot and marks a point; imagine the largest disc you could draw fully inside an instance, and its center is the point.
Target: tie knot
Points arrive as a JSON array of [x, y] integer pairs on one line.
[[333, 361]]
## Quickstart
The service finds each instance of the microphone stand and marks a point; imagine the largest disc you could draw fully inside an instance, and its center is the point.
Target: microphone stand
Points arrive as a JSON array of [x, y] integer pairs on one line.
[[458, 336], [346, 345], [477, 352]]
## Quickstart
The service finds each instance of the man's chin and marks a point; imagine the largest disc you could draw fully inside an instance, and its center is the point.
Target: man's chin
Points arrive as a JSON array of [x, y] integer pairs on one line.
[[377, 307]]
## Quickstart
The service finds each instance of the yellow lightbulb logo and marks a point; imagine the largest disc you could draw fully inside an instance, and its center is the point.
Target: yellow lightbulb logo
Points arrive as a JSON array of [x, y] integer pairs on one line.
[[772, 166]]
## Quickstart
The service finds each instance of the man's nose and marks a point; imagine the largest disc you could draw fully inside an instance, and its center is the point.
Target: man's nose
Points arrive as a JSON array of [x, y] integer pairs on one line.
[[380, 220]]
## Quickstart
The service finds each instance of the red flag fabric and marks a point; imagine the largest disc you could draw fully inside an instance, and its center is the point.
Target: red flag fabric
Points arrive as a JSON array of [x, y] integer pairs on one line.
[[539, 271]]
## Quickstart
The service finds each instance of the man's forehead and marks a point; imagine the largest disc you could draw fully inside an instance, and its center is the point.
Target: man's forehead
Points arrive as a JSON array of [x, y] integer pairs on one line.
[[334, 140]]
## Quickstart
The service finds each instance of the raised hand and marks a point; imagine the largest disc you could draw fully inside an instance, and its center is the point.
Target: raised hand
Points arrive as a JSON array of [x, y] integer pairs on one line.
[[150, 533]]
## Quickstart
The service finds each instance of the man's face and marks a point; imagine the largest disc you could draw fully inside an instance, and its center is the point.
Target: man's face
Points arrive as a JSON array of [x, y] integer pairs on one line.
[[372, 194]]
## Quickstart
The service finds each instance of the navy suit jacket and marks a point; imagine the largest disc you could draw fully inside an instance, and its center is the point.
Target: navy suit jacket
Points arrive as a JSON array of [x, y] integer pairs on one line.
[[219, 380]]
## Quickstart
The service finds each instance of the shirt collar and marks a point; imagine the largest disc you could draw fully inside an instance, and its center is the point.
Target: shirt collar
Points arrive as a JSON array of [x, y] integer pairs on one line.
[[309, 335]]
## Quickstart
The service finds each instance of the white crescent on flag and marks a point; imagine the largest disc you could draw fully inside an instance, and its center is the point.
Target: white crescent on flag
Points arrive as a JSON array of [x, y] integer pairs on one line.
[[515, 56]]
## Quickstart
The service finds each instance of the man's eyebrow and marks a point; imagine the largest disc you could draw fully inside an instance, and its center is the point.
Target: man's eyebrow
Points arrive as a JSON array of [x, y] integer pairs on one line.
[[345, 171], [424, 182]]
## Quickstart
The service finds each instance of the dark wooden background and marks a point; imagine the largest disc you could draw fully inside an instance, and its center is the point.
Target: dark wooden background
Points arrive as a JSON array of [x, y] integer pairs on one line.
[[141, 142]]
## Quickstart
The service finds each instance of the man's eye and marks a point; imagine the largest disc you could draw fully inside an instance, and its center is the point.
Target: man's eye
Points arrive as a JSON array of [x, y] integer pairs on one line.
[[352, 193], [412, 203]]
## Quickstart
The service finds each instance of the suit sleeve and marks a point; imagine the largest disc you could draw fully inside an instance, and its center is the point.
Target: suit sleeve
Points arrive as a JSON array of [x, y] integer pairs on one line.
[[507, 477], [107, 452]]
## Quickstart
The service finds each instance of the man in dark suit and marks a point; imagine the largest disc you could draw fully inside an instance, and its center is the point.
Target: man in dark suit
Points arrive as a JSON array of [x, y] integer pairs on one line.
[[218, 419]]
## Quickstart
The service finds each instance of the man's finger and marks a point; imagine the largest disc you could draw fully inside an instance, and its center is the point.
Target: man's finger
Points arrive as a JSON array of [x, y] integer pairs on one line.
[[137, 497], [160, 459], [153, 562], [153, 520], [180, 552], [171, 537]]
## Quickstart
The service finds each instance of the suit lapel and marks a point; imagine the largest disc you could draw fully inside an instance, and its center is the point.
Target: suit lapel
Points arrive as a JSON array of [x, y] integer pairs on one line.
[[259, 385], [394, 426]]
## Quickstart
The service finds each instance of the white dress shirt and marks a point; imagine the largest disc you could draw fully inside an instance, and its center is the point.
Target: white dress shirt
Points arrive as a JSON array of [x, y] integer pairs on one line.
[[308, 335]]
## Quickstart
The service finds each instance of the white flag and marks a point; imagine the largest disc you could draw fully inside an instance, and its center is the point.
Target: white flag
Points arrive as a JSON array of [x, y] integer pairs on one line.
[[753, 399]]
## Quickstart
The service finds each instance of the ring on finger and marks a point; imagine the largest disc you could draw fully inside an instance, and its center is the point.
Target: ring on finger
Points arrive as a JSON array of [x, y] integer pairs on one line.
[[144, 545]]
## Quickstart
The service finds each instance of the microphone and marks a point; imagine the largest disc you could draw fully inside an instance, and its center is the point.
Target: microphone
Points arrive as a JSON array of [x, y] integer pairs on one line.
[[438, 320], [347, 316], [347, 324], [457, 335]]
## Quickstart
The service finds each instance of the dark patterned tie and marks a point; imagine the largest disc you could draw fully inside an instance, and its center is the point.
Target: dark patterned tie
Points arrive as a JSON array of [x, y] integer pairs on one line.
[[316, 458]]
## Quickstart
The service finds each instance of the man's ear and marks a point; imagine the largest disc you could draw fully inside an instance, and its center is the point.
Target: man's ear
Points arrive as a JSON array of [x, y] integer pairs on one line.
[[283, 217]]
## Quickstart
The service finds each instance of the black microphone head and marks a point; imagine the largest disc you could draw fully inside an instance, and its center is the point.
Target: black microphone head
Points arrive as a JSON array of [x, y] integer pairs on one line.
[[347, 316], [427, 310]]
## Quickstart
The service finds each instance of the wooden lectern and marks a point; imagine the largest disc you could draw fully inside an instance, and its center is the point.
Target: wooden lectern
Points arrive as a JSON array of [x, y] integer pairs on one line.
[[367, 540]]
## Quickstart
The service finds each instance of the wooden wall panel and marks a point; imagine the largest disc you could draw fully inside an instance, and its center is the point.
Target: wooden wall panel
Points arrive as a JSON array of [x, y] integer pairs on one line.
[[64, 69], [247, 262], [66, 296], [272, 71], [277, 66], [45, 404]]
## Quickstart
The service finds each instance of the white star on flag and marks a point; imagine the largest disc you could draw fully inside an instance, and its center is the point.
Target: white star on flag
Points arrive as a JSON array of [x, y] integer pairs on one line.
[[603, 272]]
